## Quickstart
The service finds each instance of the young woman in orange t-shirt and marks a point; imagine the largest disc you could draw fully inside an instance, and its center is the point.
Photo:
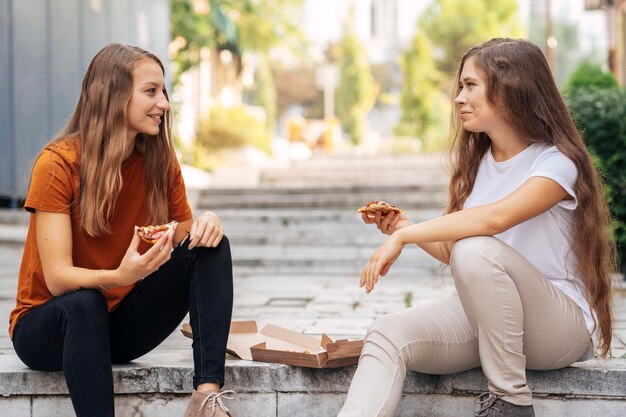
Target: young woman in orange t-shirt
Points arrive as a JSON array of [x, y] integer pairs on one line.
[[90, 293]]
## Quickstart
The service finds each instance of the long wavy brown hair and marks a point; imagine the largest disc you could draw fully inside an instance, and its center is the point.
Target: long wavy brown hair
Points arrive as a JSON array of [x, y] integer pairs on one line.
[[520, 86], [99, 124]]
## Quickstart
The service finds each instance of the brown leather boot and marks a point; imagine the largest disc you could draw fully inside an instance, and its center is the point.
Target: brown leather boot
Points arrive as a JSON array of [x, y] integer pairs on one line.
[[492, 405], [210, 404]]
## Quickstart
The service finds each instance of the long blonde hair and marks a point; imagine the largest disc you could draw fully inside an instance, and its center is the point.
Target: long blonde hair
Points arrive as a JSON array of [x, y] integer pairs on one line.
[[99, 124], [519, 83]]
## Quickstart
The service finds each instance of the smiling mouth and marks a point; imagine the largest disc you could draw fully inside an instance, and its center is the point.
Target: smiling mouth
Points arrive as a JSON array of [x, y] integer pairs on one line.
[[156, 117]]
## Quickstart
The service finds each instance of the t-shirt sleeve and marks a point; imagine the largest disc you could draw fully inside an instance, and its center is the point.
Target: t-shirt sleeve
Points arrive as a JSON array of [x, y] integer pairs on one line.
[[178, 205], [50, 185], [559, 168]]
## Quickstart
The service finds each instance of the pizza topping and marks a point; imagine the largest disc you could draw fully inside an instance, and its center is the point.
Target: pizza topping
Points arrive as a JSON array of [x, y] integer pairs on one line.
[[151, 234], [379, 206]]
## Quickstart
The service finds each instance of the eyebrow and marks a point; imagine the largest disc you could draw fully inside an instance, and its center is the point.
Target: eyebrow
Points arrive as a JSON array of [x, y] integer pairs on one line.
[[154, 83], [465, 79]]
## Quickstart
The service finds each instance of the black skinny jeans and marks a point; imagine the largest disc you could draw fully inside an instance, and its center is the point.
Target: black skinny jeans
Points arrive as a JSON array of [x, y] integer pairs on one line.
[[75, 333]]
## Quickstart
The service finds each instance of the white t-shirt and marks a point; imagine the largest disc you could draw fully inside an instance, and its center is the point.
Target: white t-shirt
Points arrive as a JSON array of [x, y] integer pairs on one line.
[[544, 240]]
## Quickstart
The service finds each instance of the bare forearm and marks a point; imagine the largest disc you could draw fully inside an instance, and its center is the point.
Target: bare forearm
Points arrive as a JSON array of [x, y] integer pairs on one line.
[[437, 250], [451, 227], [70, 278]]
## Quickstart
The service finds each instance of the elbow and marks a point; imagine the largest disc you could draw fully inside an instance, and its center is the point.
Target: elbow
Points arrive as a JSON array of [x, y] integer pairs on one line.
[[494, 225], [54, 289], [53, 283], [489, 220]]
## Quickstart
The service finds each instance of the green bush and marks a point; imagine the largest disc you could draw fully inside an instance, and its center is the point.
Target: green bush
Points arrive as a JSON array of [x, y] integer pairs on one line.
[[600, 115], [231, 128], [590, 75]]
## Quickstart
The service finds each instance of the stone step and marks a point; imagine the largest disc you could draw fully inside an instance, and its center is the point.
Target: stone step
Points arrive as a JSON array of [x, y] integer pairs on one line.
[[159, 384], [350, 197], [266, 227], [265, 217], [361, 176], [399, 162]]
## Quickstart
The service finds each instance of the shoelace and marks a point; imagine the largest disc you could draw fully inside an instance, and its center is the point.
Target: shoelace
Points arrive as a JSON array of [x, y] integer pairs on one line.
[[487, 401], [216, 400]]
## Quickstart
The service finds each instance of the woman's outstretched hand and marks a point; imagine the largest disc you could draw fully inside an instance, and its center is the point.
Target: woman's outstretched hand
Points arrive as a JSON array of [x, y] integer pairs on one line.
[[135, 266], [206, 231], [380, 262], [389, 222]]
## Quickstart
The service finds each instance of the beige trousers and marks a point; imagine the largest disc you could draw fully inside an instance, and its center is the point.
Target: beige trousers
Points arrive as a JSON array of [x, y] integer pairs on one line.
[[507, 318]]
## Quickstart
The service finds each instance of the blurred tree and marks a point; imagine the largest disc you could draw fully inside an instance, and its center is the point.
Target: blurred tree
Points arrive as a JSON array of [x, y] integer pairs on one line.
[[356, 90], [234, 25], [446, 30], [265, 92], [589, 74], [421, 98], [454, 26], [198, 24], [254, 26], [264, 24]]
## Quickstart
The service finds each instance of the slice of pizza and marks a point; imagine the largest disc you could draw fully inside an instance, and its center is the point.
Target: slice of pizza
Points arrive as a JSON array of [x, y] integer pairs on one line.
[[151, 234], [379, 206]]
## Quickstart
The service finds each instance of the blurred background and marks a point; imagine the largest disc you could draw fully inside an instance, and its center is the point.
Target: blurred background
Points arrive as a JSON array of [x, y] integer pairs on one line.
[[258, 82]]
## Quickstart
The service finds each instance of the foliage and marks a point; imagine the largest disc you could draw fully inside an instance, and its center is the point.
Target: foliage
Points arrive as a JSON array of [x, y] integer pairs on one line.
[[446, 30], [263, 24], [356, 91], [421, 99], [265, 93], [253, 26], [231, 128], [236, 25], [588, 74], [600, 115], [454, 26], [192, 30]]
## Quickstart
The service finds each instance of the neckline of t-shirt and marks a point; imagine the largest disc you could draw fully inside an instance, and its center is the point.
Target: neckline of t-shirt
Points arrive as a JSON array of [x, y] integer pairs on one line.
[[132, 158], [512, 159]]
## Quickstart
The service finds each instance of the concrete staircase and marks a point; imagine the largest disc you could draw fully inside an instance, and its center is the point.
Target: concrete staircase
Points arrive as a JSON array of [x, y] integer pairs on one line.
[[298, 249]]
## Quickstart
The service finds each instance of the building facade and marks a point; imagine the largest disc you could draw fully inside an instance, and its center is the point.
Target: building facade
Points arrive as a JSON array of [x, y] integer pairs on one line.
[[45, 48]]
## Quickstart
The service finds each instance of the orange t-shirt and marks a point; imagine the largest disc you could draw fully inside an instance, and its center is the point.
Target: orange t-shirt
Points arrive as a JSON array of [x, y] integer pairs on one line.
[[54, 187]]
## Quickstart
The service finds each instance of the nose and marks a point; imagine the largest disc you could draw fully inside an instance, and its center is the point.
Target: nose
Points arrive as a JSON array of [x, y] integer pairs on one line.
[[460, 99], [163, 104]]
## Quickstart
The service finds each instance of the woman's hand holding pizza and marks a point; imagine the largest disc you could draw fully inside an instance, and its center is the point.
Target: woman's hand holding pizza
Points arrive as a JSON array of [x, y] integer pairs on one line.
[[206, 231], [387, 223], [388, 218], [135, 266]]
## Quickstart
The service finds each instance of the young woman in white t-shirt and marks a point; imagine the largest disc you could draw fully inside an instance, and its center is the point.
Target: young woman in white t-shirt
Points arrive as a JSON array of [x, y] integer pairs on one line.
[[525, 235]]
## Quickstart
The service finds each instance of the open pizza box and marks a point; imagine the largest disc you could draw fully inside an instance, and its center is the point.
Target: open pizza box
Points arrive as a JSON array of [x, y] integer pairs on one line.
[[279, 345]]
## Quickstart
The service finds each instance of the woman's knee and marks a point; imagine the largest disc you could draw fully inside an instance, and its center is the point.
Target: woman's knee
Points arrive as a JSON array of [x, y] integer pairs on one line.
[[85, 302], [214, 263], [83, 309], [220, 252], [470, 253], [384, 334]]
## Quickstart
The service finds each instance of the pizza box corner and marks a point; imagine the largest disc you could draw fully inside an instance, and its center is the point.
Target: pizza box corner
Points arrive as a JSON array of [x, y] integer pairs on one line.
[[279, 345]]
